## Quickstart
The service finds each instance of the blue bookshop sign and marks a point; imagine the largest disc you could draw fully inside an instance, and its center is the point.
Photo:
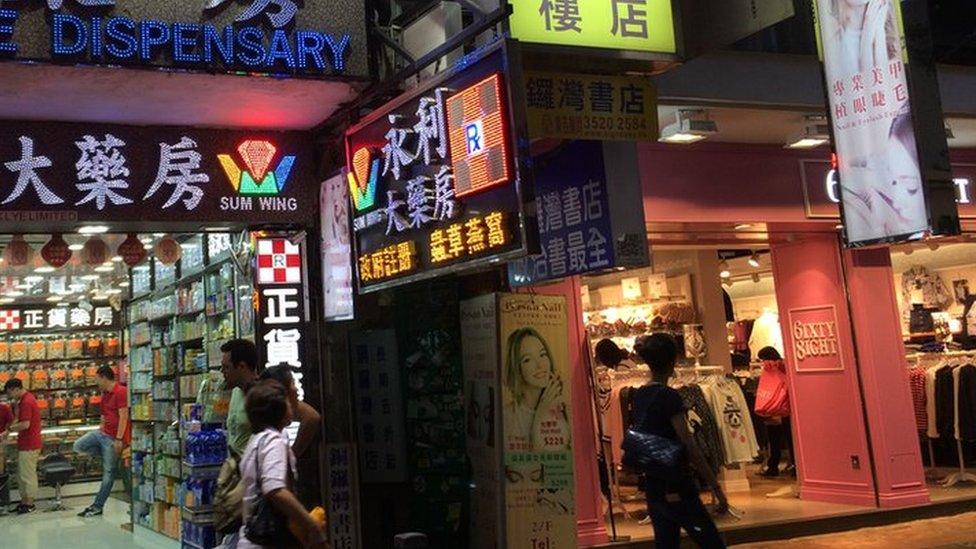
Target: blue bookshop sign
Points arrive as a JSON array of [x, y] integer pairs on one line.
[[241, 36]]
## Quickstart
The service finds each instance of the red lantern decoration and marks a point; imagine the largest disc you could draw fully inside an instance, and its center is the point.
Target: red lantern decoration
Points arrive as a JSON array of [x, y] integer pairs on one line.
[[56, 252], [168, 250], [18, 252], [132, 250], [95, 251]]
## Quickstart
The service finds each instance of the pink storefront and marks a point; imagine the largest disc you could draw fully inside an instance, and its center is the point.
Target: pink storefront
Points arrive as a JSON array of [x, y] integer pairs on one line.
[[746, 254]]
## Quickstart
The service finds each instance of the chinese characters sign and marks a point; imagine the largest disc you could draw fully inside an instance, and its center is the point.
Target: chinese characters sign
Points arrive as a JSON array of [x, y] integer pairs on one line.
[[282, 301], [342, 502], [125, 173], [640, 25], [378, 405], [579, 106], [57, 318], [258, 36], [884, 193], [434, 180]]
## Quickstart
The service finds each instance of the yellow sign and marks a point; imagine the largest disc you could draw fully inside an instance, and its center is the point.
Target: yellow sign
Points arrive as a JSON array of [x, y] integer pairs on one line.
[[388, 262], [640, 25], [583, 106], [469, 238]]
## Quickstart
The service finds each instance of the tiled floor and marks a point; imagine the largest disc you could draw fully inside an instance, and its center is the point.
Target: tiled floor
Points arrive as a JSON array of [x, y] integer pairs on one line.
[[64, 530]]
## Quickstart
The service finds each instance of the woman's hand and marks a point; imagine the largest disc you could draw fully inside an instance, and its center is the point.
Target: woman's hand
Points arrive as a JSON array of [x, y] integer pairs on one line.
[[551, 394], [316, 538]]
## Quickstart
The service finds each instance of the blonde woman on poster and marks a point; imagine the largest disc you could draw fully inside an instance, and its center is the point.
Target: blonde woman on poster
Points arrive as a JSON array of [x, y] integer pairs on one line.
[[536, 399], [875, 141]]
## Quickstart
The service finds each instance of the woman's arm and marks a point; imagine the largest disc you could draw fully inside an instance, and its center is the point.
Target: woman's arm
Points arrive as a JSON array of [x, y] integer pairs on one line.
[[308, 428], [680, 423], [287, 504]]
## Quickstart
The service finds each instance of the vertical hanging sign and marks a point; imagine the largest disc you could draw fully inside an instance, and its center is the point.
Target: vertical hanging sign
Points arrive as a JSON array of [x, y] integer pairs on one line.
[[280, 279], [886, 114]]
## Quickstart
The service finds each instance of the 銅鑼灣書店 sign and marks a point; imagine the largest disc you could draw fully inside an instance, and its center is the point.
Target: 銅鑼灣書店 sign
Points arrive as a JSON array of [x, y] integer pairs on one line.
[[435, 176], [302, 38], [111, 173]]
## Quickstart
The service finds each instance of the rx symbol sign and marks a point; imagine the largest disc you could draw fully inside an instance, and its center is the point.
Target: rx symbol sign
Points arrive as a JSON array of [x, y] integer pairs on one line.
[[473, 136]]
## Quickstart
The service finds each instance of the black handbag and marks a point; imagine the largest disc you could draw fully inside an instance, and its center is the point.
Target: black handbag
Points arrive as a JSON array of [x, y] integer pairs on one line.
[[267, 526], [651, 454]]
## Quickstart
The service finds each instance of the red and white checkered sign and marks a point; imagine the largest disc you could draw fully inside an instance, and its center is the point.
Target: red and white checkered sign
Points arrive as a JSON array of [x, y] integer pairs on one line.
[[279, 262], [9, 320]]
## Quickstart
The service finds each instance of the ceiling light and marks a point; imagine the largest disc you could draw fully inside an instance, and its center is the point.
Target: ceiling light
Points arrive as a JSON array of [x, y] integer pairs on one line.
[[146, 240], [55, 298], [839, 226], [33, 279], [742, 226], [117, 259], [159, 235], [76, 247], [113, 291], [23, 286], [815, 133], [104, 269], [217, 229], [124, 284], [44, 269], [14, 294], [723, 269], [89, 277], [6, 300], [99, 297], [93, 229], [754, 260], [691, 125]]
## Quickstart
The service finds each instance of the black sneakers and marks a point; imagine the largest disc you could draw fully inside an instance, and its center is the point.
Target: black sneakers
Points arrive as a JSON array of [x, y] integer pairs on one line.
[[24, 509], [90, 512]]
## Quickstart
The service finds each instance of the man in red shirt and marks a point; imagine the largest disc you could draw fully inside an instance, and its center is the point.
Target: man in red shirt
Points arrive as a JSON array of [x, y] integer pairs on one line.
[[109, 441], [28, 429]]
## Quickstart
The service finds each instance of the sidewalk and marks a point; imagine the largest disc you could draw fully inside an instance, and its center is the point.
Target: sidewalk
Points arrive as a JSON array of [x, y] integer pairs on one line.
[[957, 531]]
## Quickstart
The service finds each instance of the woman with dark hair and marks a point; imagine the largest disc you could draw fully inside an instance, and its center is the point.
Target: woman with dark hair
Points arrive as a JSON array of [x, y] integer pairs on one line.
[[268, 467], [673, 503]]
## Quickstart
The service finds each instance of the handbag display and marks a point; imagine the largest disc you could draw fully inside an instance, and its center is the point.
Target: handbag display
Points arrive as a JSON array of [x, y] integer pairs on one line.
[[266, 525], [654, 455]]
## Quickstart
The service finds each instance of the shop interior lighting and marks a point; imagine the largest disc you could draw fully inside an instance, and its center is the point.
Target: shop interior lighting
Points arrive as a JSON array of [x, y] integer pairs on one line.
[[113, 291], [754, 260], [146, 240], [814, 134], [690, 126], [14, 294], [33, 279], [76, 247], [159, 235], [742, 226], [104, 269], [54, 298], [839, 226], [6, 300], [723, 270], [93, 229], [89, 277], [117, 259], [44, 269], [124, 284]]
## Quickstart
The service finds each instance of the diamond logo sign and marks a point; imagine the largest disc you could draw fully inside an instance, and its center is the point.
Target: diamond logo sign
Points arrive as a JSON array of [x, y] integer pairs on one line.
[[258, 179]]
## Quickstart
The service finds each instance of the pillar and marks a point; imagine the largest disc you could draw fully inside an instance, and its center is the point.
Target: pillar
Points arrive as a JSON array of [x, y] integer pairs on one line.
[[899, 474], [591, 528]]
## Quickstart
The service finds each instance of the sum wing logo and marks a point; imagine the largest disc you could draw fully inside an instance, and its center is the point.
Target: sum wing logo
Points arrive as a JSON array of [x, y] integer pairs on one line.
[[259, 179], [363, 179]]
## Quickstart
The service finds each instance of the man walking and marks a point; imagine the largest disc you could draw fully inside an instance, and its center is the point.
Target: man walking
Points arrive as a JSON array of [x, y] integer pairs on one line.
[[109, 441], [28, 429]]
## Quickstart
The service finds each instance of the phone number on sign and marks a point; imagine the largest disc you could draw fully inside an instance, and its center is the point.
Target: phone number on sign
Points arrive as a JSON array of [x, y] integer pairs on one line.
[[595, 124]]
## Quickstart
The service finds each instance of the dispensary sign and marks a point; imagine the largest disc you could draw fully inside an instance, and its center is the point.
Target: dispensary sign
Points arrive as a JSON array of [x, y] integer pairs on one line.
[[79, 172], [313, 38]]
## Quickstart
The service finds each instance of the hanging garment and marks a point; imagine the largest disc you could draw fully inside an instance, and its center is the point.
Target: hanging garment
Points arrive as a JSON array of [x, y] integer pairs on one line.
[[731, 412], [766, 333], [916, 379], [955, 402], [933, 430], [945, 403], [703, 426], [966, 409], [920, 286]]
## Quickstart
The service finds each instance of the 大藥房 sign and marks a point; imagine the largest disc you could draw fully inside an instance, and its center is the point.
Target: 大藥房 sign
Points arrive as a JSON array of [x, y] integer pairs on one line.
[[126, 173], [260, 36], [892, 165], [282, 304], [434, 176], [581, 106], [639, 25]]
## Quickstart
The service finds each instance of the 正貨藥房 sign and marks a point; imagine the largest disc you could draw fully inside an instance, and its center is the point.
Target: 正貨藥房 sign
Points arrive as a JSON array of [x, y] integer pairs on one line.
[[434, 178], [258, 36]]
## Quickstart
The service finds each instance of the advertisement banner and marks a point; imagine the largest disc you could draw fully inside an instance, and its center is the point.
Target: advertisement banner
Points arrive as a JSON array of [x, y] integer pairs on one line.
[[582, 106], [336, 249], [436, 175], [482, 397], [537, 440], [888, 191], [378, 404], [639, 25]]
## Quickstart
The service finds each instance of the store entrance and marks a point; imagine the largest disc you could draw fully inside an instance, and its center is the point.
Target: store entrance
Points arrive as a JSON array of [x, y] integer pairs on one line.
[[156, 308], [720, 306]]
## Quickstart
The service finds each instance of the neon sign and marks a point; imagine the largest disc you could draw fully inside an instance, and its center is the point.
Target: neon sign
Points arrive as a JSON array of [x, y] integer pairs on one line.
[[479, 148], [363, 179], [257, 180]]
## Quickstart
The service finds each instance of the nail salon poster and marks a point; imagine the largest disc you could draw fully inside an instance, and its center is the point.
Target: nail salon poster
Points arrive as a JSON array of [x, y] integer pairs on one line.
[[479, 337], [537, 443], [866, 67]]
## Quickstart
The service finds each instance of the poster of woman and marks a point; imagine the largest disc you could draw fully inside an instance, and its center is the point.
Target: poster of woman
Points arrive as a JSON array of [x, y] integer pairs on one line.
[[862, 45], [537, 432]]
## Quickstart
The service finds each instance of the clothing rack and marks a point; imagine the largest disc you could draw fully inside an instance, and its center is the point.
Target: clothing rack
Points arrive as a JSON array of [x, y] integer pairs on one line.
[[961, 475]]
